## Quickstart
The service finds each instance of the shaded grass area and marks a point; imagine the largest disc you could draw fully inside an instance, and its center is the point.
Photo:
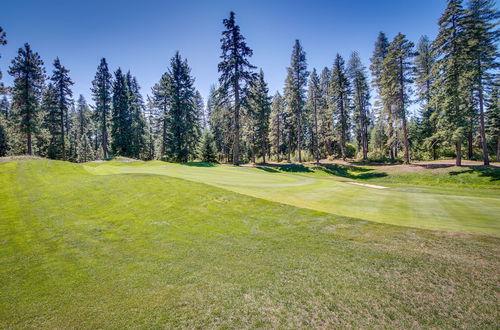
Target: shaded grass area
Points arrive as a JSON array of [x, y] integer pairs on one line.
[[429, 174], [137, 250]]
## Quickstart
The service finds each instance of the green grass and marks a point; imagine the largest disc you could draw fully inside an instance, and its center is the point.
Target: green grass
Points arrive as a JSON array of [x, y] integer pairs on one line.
[[470, 207], [123, 249]]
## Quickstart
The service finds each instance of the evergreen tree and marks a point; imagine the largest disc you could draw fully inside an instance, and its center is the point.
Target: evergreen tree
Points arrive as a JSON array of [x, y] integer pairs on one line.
[[236, 74], [160, 100], [276, 124], [151, 115], [183, 117], [493, 118], [481, 46], [424, 62], [5, 107], [207, 151], [295, 84], [448, 94], [383, 103], [121, 119], [200, 109], [29, 75], [325, 116], [259, 113], [3, 41], [313, 97], [396, 79], [83, 131], [101, 93], [340, 102], [62, 87], [361, 100], [52, 121], [4, 145], [221, 124], [138, 128]]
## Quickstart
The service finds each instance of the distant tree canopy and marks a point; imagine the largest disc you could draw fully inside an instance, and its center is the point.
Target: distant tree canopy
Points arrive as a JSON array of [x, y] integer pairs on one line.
[[451, 81]]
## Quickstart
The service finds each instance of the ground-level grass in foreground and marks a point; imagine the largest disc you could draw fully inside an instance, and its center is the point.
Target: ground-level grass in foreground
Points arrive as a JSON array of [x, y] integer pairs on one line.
[[141, 250]]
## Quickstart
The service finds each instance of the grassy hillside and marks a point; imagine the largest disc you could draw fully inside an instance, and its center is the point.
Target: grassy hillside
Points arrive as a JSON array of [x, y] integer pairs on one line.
[[470, 207], [144, 250]]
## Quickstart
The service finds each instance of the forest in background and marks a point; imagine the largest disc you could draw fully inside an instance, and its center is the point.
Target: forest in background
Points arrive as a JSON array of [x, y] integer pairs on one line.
[[320, 113]]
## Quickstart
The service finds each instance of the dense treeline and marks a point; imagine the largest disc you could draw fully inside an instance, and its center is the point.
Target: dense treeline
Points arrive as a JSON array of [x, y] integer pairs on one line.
[[434, 99]]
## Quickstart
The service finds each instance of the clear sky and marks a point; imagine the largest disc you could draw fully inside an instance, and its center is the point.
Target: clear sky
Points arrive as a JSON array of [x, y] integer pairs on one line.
[[143, 35]]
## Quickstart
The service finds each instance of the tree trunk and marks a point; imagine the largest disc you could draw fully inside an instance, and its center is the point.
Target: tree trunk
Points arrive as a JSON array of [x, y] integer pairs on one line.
[[316, 147], [299, 137], [30, 152], [289, 148], [486, 160], [278, 139], [263, 153], [390, 134], [458, 146], [470, 152], [236, 142], [62, 136], [403, 112]]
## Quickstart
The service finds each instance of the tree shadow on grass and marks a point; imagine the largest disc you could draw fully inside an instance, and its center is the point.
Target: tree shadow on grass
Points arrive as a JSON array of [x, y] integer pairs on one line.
[[267, 169], [295, 168], [346, 171], [483, 171], [199, 164]]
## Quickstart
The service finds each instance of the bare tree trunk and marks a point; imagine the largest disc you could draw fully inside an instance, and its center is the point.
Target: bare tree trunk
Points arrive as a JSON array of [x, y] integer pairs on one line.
[[289, 148], [458, 146], [62, 136], [278, 139], [403, 112], [264, 152], [299, 137], [486, 159], [316, 147], [30, 151], [470, 152], [236, 142]]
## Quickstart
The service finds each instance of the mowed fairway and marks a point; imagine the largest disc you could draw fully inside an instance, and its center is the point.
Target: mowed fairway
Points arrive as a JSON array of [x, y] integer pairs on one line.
[[468, 202], [115, 245]]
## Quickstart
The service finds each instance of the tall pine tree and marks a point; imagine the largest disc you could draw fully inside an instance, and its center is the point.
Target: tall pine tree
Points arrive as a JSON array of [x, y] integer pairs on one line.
[[361, 100], [121, 119], [101, 93], [259, 113], [183, 117], [276, 124], [236, 74], [29, 76], [3, 41], [313, 100], [396, 79], [340, 102], [62, 86], [481, 46], [448, 94], [295, 97], [424, 62]]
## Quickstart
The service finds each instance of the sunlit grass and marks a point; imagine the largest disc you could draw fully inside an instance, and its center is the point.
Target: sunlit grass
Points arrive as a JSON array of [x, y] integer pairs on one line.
[[448, 207]]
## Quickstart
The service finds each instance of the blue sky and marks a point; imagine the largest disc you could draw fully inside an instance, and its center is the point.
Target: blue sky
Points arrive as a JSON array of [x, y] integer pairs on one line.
[[143, 35]]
